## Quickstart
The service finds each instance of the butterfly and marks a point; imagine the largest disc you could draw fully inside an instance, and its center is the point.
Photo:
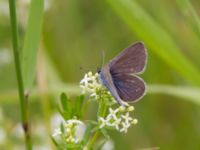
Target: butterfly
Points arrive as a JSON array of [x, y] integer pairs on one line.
[[120, 75]]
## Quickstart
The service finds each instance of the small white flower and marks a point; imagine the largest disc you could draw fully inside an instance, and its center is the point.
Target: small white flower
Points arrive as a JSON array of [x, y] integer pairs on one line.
[[57, 132], [135, 121], [103, 122], [127, 118], [118, 118], [71, 131], [122, 108], [112, 113], [94, 95], [85, 80], [116, 123], [130, 108], [125, 127], [90, 83]]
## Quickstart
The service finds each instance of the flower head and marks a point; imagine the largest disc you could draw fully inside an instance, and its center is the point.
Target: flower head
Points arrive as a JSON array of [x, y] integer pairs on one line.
[[118, 119], [92, 86], [89, 84], [68, 133]]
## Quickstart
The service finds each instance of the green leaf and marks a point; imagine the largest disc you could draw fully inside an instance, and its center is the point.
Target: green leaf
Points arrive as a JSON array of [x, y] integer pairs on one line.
[[156, 38], [186, 93], [54, 141], [78, 106], [31, 42], [62, 128], [190, 15], [65, 107], [64, 101]]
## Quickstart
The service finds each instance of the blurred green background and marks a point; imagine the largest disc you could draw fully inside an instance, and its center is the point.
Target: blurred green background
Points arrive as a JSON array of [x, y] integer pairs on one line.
[[74, 34]]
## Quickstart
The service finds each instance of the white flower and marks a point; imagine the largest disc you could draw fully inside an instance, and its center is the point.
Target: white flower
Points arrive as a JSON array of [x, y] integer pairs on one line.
[[90, 83], [116, 123], [118, 118], [135, 121], [112, 113], [122, 108], [127, 118], [125, 127], [57, 132], [130, 108], [103, 122], [71, 133], [85, 80]]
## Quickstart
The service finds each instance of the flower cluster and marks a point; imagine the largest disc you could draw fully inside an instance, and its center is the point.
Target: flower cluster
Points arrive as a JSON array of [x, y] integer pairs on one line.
[[118, 119], [91, 85], [68, 132]]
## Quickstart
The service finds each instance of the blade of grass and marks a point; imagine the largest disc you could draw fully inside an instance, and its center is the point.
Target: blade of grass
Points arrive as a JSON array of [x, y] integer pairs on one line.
[[157, 39], [190, 15], [22, 97], [187, 93], [31, 42]]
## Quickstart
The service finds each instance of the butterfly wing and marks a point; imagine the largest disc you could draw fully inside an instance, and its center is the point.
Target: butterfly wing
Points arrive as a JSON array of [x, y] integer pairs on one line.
[[129, 88], [130, 60]]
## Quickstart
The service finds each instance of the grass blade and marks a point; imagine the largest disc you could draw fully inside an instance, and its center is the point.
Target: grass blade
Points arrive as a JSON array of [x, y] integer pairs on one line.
[[31, 42], [190, 15], [186, 93]]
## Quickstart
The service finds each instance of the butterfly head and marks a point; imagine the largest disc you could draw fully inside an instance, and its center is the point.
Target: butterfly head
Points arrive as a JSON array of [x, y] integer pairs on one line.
[[98, 70]]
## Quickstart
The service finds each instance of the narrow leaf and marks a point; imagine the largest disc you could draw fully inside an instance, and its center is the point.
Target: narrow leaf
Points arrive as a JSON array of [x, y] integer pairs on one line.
[[64, 102], [186, 93], [31, 42]]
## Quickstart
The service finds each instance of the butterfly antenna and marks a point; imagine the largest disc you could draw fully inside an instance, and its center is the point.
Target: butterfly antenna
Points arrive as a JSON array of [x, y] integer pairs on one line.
[[103, 58], [102, 62]]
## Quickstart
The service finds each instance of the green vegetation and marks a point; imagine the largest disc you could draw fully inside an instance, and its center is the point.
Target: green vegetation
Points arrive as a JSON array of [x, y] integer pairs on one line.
[[56, 42]]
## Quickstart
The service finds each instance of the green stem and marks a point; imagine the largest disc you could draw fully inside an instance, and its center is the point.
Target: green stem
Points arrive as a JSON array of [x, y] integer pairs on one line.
[[23, 100], [93, 139], [101, 113]]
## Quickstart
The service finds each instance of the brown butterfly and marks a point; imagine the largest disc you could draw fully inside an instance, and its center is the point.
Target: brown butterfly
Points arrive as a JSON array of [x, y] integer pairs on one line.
[[120, 75]]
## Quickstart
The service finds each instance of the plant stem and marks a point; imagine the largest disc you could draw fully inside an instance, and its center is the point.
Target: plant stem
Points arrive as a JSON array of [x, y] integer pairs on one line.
[[93, 139], [23, 100], [101, 113]]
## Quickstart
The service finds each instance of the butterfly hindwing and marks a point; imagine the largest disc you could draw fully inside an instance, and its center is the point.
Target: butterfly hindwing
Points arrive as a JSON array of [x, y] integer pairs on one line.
[[130, 60], [129, 88]]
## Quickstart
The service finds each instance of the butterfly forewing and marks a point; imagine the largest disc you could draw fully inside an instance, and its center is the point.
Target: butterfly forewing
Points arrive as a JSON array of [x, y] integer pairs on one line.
[[129, 87], [130, 60]]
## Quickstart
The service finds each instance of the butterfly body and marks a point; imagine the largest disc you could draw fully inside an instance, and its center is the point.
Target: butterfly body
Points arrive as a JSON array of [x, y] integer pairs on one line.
[[120, 75], [107, 80]]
